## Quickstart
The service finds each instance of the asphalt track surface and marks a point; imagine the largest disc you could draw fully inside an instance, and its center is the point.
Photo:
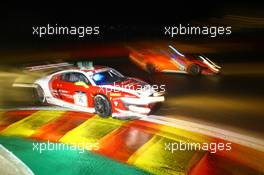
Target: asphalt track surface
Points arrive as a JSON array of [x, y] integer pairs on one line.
[[231, 101]]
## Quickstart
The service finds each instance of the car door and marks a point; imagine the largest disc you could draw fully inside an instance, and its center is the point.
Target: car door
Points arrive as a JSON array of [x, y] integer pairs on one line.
[[75, 88], [66, 87], [81, 94], [54, 85]]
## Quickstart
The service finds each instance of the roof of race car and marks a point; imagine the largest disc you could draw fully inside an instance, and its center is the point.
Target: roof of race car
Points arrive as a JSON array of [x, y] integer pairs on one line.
[[93, 70]]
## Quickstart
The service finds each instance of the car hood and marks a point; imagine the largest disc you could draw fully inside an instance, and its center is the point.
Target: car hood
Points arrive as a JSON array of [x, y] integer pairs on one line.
[[133, 86]]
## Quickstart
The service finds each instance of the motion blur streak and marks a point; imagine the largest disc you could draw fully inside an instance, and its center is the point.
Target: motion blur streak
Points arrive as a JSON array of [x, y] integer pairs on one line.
[[240, 22]]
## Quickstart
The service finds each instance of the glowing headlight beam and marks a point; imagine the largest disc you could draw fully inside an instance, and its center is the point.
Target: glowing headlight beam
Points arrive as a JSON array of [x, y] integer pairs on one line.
[[212, 66], [175, 50]]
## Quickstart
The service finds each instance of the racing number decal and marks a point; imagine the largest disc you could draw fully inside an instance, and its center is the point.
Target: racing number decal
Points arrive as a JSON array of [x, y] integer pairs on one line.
[[80, 99]]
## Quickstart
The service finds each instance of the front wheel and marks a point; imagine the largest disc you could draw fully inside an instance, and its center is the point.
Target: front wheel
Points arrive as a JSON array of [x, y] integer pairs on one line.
[[194, 69], [102, 106], [150, 68]]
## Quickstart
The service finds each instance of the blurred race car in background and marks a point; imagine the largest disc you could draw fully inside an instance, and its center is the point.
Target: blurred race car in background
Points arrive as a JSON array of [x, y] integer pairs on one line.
[[171, 60], [98, 89]]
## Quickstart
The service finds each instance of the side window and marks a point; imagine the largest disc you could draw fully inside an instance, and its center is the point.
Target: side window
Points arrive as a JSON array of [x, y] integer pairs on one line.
[[83, 78], [65, 77], [74, 77]]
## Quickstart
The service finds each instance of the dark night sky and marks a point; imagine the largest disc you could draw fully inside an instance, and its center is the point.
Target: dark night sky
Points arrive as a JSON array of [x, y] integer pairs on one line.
[[129, 20]]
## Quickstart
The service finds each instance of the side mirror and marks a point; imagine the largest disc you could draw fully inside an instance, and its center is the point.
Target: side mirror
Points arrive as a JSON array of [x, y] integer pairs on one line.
[[81, 83]]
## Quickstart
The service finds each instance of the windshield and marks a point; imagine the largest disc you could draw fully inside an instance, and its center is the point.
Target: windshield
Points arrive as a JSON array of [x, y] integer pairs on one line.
[[108, 77]]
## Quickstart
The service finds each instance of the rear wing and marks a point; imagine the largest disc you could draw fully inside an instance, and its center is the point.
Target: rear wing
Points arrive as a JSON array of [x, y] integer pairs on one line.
[[48, 66], [31, 73]]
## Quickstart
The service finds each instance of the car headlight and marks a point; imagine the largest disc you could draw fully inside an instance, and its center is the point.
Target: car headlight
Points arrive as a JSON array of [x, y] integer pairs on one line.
[[157, 94]]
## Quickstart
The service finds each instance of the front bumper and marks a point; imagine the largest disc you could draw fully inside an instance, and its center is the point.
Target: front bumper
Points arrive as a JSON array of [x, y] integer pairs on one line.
[[136, 107], [143, 100], [124, 114]]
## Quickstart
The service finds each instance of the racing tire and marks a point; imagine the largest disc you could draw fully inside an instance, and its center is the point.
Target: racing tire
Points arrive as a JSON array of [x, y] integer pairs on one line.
[[194, 69], [102, 106], [150, 68], [39, 95]]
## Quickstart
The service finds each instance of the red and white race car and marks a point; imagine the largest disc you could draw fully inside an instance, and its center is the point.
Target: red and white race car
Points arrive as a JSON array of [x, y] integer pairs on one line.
[[169, 59], [98, 89]]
